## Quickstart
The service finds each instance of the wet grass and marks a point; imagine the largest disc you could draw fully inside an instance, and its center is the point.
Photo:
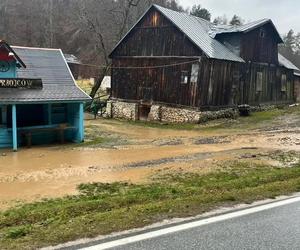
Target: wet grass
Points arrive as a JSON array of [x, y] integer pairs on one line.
[[255, 120], [96, 137], [104, 208]]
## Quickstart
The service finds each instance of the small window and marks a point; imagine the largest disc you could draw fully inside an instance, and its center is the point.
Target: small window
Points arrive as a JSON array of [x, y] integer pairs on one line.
[[155, 20], [283, 83], [259, 81], [184, 77], [194, 73]]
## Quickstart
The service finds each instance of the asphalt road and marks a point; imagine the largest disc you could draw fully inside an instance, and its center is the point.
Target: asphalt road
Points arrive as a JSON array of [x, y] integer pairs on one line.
[[271, 228]]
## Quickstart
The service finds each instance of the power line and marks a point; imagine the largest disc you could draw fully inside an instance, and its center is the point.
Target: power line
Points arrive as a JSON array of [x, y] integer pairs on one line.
[[141, 67]]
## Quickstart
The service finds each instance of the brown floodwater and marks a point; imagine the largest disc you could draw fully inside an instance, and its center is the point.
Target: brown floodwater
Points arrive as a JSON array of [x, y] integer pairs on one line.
[[47, 172]]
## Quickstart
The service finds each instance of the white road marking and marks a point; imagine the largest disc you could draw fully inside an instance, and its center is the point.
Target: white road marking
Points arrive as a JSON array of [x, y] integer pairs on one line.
[[169, 230]]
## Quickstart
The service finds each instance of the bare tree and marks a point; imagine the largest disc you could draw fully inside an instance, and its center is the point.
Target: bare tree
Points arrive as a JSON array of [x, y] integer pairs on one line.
[[121, 11]]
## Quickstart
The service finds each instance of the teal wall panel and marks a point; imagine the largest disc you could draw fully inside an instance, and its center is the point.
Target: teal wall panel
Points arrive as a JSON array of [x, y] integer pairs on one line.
[[53, 115]]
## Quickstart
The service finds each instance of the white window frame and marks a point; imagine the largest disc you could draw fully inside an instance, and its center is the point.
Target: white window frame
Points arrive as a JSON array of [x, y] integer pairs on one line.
[[259, 81], [283, 83], [184, 77], [195, 73]]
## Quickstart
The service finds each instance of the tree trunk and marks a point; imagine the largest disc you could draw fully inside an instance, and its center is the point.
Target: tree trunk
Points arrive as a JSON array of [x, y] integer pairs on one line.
[[97, 85]]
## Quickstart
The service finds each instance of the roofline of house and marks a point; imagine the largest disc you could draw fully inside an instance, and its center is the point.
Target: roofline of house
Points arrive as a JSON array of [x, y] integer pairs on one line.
[[263, 22], [2, 42], [127, 33], [140, 19], [155, 6], [45, 101], [62, 54], [35, 48]]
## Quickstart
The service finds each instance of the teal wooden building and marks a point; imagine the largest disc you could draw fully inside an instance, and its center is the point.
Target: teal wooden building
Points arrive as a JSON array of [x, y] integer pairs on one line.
[[40, 102]]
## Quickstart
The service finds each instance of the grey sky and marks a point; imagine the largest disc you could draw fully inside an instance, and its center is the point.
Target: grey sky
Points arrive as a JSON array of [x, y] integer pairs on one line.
[[284, 13]]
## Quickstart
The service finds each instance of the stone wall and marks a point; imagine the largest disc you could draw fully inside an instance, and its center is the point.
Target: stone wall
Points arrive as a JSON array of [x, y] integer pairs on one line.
[[155, 113], [122, 110], [179, 115], [183, 115], [163, 113]]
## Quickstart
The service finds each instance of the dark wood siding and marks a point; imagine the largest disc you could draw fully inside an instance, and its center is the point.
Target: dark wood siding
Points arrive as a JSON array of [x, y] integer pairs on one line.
[[216, 82], [297, 88], [260, 45], [156, 36], [271, 92]]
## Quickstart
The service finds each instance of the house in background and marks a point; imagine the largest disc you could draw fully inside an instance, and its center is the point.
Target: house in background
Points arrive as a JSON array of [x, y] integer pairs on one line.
[[74, 64], [40, 102], [81, 70], [174, 59]]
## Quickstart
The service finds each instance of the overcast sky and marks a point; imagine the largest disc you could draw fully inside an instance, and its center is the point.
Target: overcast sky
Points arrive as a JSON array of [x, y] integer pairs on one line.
[[284, 13]]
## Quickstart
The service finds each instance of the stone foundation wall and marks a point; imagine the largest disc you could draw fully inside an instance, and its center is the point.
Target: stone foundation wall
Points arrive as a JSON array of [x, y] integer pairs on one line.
[[181, 115], [122, 110], [162, 113], [155, 113]]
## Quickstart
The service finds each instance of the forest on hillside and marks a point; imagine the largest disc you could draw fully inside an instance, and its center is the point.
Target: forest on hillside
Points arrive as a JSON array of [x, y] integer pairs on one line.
[[76, 26], [89, 29]]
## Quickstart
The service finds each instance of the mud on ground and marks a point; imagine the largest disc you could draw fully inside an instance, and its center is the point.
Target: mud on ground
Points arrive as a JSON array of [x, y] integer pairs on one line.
[[122, 151]]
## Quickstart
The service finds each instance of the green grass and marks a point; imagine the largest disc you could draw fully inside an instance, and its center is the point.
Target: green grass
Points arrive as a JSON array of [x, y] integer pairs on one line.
[[96, 137], [255, 120], [105, 208]]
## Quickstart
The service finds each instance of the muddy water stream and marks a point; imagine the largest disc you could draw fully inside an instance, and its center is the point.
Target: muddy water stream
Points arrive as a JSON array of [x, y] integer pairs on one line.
[[43, 172]]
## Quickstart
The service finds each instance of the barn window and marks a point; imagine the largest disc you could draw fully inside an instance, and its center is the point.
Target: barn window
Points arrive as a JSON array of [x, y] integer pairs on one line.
[[184, 77], [194, 73], [155, 20], [259, 81], [283, 83]]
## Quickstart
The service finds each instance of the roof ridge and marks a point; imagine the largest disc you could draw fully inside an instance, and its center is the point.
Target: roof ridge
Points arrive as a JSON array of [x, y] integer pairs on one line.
[[182, 12], [37, 48]]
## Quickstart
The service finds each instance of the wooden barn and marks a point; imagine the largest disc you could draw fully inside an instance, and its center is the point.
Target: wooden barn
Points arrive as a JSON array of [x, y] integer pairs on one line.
[[40, 102], [172, 58]]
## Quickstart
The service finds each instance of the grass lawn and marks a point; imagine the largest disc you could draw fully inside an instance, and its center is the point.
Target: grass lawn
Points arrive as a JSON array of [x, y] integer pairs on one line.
[[104, 208]]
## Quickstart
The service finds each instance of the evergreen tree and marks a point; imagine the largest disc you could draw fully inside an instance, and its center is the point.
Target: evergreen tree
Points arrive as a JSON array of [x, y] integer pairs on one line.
[[220, 20], [198, 11], [236, 20]]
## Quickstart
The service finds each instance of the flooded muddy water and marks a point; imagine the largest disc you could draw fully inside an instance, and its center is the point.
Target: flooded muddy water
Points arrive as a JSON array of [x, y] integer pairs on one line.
[[47, 172]]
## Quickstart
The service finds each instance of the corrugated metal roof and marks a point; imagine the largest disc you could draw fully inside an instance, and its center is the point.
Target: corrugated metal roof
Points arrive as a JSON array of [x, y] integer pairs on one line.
[[50, 66], [221, 29], [198, 32], [286, 63], [202, 32]]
